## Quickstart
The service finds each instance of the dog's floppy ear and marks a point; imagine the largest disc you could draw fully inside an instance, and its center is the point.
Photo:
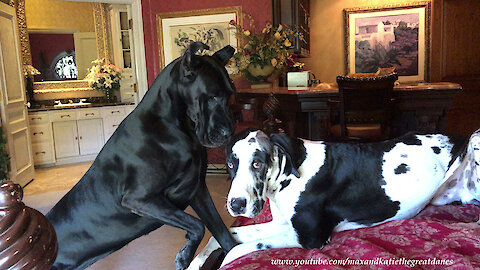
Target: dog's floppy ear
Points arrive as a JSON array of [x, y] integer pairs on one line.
[[189, 57], [224, 54], [293, 149]]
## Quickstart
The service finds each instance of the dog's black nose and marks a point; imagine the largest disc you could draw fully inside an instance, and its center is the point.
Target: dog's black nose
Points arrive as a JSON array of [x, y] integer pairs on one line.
[[238, 205], [226, 132]]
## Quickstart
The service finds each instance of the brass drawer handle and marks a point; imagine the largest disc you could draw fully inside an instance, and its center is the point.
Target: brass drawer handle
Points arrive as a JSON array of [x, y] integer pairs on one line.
[[114, 125], [39, 133], [115, 112], [65, 115], [38, 153], [87, 114]]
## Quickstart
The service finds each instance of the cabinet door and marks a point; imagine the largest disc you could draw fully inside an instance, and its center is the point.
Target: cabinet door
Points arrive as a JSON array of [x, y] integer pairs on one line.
[[66, 139], [90, 134]]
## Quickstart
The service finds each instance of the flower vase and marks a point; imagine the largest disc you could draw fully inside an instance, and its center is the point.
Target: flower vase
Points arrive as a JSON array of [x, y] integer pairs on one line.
[[258, 75], [110, 95]]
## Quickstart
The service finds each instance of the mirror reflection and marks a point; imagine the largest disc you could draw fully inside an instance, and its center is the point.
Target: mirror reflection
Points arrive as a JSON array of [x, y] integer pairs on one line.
[[62, 38]]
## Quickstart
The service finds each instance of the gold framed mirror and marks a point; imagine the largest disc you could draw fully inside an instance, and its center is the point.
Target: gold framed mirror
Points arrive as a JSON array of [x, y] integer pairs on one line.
[[72, 88]]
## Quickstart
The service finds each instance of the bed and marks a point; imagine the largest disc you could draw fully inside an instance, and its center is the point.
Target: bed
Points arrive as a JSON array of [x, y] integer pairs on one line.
[[439, 237]]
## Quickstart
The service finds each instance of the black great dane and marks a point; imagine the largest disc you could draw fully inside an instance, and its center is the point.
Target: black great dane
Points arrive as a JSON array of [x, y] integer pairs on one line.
[[153, 167]]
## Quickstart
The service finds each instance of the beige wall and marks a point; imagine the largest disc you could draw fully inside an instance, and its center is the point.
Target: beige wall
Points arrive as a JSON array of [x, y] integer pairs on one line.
[[51, 14], [326, 59]]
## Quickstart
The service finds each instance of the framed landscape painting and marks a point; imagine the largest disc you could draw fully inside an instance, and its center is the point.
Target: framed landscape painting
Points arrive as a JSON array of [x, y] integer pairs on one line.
[[389, 36], [176, 30]]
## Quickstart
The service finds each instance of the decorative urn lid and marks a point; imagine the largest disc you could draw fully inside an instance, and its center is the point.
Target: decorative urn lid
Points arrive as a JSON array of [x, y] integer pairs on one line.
[[27, 239]]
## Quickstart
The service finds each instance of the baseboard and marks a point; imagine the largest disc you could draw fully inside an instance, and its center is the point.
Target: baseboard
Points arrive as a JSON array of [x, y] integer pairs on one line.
[[69, 160], [216, 169]]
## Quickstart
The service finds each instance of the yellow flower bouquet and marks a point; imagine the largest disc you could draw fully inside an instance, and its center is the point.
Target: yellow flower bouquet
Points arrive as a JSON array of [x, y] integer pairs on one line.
[[262, 54]]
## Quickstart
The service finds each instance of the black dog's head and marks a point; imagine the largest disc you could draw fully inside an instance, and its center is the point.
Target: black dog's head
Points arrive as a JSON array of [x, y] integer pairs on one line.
[[206, 89]]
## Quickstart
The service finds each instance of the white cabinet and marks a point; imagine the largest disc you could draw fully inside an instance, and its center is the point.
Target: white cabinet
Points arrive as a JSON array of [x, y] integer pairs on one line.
[[122, 37], [90, 134], [127, 88], [77, 132], [73, 135], [74, 138], [66, 139], [112, 117], [42, 140]]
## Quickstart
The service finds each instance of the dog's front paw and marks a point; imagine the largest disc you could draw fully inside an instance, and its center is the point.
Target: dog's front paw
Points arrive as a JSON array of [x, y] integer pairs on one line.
[[315, 242], [211, 246], [184, 257]]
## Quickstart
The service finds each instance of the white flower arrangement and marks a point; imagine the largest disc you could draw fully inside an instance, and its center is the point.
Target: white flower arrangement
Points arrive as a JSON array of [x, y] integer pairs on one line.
[[103, 76]]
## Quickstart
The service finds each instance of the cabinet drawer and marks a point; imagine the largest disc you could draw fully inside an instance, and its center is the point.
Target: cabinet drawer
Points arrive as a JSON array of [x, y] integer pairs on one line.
[[129, 109], [127, 86], [43, 153], [116, 111], [41, 133], [110, 124], [127, 97], [127, 77], [88, 114], [38, 118], [64, 116]]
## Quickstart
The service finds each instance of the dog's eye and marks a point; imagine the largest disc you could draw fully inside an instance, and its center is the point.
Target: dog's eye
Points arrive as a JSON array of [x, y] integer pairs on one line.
[[256, 164], [230, 165]]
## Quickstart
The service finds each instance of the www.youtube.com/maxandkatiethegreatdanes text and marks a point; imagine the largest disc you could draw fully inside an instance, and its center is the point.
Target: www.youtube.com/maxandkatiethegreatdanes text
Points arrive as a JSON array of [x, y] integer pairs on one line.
[[356, 262]]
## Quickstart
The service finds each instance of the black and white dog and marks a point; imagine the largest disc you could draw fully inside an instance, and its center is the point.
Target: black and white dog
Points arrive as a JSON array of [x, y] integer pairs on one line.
[[316, 188], [153, 167]]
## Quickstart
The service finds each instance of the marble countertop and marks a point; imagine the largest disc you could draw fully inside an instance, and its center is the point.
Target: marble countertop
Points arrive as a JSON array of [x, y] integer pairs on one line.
[[40, 108]]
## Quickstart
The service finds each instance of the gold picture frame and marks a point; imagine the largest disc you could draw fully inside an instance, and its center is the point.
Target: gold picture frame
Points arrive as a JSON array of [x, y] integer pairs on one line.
[[176, 29], [389, 35], [103, 40]]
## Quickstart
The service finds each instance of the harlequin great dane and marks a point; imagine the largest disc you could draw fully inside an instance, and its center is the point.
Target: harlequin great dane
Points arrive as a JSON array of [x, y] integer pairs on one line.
[[316, 188], [153, 167]]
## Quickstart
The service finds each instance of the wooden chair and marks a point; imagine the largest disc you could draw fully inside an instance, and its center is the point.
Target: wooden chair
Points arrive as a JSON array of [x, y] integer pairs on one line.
[[246, 113], [364, 108]]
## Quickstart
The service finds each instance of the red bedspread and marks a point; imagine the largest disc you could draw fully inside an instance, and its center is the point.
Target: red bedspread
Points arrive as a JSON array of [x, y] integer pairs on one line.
[[440, 237]]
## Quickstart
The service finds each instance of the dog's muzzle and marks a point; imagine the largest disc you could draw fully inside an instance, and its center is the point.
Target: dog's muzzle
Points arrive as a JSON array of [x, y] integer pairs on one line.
[[220, 132], [238, 205], [220, 136]]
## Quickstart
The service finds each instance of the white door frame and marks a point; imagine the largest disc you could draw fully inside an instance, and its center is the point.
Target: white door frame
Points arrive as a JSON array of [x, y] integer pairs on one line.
[[138, 39]]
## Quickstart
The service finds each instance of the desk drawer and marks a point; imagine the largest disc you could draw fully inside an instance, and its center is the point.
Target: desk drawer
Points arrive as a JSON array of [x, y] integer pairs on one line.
[[38, 118], [64, 116], [41, 133], [88, 114]]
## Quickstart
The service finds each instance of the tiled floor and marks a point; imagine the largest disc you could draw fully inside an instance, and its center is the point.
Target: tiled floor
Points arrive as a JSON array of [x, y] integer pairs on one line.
[[56, 178], [66, 176]]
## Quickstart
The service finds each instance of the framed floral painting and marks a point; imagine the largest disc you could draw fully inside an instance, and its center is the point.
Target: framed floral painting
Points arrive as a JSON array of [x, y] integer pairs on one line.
[[211, 26], [389, 36]]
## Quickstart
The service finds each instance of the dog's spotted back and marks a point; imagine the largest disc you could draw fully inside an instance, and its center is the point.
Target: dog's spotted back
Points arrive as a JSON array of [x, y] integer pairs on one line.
[[464, 183]]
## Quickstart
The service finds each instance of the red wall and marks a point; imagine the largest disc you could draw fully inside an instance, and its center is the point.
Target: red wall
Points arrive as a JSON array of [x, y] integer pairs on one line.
[[260, 10], [50, 45]]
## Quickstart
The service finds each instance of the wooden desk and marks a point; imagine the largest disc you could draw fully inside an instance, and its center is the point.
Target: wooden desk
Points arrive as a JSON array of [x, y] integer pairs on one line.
[[418, 107]]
